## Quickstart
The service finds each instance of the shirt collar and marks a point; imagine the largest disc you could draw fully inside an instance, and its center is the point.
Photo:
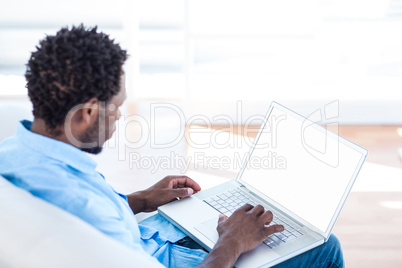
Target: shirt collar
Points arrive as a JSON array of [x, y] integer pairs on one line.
[[55, 149]]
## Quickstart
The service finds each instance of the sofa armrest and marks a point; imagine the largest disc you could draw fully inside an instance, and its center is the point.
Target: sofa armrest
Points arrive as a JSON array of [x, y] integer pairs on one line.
[[35, 233]]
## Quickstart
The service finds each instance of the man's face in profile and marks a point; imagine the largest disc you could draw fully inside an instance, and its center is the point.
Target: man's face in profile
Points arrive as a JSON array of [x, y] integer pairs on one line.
[[105, 125]]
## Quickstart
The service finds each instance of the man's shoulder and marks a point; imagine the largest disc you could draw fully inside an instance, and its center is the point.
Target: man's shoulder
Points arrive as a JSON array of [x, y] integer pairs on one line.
[[60, 187], [85, 195], [17, 159], [14, 152], [21, 164], [9, 145], [44, 177]]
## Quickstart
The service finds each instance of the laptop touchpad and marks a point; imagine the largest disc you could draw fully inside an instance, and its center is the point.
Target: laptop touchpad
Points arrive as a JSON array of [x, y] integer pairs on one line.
[[208, 229]]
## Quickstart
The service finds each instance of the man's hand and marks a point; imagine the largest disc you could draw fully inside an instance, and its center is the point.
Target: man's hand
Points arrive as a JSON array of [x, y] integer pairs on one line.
[[166, 190], [255, 218], [243, 231]]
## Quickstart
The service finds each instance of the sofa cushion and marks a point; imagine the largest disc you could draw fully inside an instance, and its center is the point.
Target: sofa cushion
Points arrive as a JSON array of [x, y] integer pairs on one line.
[[35, 233]]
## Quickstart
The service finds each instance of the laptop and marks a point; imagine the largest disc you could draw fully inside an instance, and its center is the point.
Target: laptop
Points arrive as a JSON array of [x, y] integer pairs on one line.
[[295, 168]]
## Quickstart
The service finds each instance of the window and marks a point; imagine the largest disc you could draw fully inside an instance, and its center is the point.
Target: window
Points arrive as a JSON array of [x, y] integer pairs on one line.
[[207, 55], [23, 23], [214, 53]]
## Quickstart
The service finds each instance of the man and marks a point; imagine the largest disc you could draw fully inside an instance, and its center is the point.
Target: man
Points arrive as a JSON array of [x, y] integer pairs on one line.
[[75, 82]]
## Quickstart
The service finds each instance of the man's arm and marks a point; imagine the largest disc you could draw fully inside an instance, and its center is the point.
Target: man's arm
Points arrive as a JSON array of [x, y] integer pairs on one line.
[[234, 239], [166, 190]]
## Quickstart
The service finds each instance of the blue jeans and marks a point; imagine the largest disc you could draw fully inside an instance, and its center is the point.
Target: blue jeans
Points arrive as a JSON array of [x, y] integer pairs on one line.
[[173, 249], [328, 254]]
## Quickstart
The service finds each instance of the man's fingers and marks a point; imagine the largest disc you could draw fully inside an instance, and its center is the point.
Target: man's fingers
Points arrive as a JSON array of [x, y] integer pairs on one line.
[[181, 192], [267, 217], [258, 210], [222, 218], [184, 181], [246, 207], [191, 183], [276, 228]]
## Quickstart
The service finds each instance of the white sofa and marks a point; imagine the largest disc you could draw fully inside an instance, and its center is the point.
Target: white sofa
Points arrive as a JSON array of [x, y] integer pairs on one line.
[[35, 233]]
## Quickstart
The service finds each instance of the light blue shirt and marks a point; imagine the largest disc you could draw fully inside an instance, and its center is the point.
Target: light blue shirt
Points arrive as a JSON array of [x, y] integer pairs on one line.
[[66, 176]]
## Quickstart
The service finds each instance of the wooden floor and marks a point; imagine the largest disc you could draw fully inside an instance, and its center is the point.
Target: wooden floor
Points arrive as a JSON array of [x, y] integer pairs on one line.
[[370, 231], [381, 141]]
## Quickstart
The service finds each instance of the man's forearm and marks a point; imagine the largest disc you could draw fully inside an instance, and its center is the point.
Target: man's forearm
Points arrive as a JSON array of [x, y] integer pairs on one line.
[[224, 254], [136, 201], [161, 193]]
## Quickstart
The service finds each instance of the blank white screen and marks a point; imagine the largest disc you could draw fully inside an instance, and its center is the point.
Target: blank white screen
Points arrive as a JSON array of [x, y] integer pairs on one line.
[[295, 176]]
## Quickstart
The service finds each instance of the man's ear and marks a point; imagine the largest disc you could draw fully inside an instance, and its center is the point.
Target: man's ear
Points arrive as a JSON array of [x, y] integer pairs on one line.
[[90, 111]]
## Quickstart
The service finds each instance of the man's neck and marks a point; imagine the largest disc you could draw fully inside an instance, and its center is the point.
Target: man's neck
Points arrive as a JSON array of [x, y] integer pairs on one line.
[[39, 127]]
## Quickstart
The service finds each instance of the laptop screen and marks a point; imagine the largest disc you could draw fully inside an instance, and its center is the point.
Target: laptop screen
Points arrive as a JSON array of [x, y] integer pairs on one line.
[[302, 167]]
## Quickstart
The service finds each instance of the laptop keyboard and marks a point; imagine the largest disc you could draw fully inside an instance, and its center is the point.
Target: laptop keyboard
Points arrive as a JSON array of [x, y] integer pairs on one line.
[[227, 202]]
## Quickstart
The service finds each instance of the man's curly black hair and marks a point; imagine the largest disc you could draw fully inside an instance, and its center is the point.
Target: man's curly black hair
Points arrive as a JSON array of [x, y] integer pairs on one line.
[[70, 68]]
